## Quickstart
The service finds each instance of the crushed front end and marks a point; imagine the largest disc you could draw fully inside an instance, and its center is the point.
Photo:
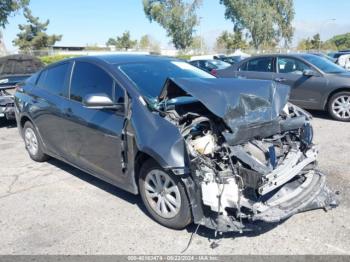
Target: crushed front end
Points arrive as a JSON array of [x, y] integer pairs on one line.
[[251, 152]]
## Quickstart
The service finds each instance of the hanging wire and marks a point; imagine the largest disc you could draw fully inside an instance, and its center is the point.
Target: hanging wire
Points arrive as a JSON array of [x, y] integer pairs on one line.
[[190, 240]]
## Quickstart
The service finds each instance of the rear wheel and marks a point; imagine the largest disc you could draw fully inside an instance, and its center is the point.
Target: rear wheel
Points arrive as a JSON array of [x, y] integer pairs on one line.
[[32, 143], [339, 106], [164, 196]]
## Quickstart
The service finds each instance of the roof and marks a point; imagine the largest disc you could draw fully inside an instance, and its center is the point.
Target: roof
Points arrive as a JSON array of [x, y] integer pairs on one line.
[[19, 65], [130, 58]]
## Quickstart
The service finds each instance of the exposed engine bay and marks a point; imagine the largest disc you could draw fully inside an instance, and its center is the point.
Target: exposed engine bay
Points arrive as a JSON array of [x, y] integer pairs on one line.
[[253, 161]]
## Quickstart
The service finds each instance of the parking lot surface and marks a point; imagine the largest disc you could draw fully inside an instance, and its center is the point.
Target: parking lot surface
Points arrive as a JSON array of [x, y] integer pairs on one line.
[[52, 208]]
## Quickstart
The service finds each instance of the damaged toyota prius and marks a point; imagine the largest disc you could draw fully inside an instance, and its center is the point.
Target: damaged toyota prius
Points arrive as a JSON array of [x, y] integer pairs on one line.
[[217, 152]]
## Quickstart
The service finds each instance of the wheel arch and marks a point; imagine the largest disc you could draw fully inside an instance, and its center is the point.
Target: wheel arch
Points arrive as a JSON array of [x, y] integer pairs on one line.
[[338, 90]]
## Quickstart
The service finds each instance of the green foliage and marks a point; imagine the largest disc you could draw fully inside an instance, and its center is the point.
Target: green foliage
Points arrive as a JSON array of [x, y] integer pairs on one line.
[[314, 43], [145, 42], [8, 7], [149, 43], [184, 57], [177, 17], [111, 42], [339, 41], [54, 58], [304, 45], [33, 35], [122, 42], [231, 41], [266, 21]]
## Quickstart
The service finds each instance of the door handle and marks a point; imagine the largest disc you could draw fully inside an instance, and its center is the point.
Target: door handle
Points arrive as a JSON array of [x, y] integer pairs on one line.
[[280, 80]]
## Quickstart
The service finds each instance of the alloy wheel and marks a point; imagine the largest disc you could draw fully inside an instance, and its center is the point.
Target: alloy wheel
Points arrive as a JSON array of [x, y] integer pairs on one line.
[[31, 141], [341, 107], [162, 194]]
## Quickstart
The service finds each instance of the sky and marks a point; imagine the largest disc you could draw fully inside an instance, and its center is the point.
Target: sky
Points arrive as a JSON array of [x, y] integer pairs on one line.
[[83, 22]]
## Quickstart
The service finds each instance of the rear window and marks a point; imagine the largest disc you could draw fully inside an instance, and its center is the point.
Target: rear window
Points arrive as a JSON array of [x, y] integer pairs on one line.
[[54, 79], [263, 64]]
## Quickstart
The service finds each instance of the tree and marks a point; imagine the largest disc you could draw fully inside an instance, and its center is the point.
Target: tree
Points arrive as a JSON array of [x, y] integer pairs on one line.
[[266, 21], [122, 42], [198, 43], [33, 35], [8, 7], [231, 41], [310, 44], [147, 42], [315, 41], [304, 45], [110, 42], [177, 17], [339, 42]]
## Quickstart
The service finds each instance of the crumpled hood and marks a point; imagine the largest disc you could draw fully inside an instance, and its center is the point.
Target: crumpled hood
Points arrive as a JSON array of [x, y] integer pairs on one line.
[[238, 102]]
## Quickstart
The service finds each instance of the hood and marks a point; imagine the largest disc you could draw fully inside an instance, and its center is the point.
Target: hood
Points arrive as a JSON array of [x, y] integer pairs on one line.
[[238, 102]]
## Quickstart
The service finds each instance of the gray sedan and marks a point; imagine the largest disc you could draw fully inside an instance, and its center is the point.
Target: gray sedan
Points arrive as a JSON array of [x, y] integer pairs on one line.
[[316, 82]]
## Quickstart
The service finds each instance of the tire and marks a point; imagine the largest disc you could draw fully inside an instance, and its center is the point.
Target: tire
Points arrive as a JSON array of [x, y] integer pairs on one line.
[[339, 106], [174, 213], [33, 144]]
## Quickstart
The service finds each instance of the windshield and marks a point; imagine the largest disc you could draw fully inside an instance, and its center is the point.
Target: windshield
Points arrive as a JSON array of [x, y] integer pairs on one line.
[[219, 64], [149, 77], [324, 64]]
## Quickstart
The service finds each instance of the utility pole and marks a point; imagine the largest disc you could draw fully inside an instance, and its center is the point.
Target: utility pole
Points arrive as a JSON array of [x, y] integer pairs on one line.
[[321, 27]]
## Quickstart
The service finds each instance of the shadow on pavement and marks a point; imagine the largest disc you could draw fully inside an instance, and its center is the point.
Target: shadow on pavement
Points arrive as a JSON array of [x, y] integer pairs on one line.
[[253, 229], [4, 123], [256, 228], [131, 198], [320, 114]]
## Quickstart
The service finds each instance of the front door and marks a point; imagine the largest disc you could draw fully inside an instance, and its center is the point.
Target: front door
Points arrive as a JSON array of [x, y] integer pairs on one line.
[[261, 68], [94, 135], [305, 90]]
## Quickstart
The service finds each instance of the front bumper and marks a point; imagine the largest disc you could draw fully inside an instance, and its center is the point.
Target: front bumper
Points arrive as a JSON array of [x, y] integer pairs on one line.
[[312, 194], [285, 202]]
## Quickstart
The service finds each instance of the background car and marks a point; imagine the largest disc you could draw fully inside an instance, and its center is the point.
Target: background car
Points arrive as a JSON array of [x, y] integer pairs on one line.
[[230, 59], [336, 55], [316, 82], [13, 70], [210, 65]]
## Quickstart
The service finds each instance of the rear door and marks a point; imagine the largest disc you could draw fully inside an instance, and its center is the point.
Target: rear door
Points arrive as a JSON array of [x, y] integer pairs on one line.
[[305, 90], [257, 68], [48, 99], [94, 135]]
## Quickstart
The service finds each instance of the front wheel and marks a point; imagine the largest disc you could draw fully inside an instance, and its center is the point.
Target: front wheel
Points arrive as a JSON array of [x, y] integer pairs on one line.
[[339, 106], [164, 196]]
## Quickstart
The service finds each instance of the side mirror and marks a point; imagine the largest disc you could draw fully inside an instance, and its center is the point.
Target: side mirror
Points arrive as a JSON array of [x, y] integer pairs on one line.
[[309, 72], [101, 101]]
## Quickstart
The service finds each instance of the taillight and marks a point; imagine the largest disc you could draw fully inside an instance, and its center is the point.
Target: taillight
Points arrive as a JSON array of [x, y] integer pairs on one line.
[[214, 72]]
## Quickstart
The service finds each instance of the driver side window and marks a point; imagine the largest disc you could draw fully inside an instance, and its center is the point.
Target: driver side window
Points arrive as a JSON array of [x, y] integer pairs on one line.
[[289, 65], [90, 79]]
